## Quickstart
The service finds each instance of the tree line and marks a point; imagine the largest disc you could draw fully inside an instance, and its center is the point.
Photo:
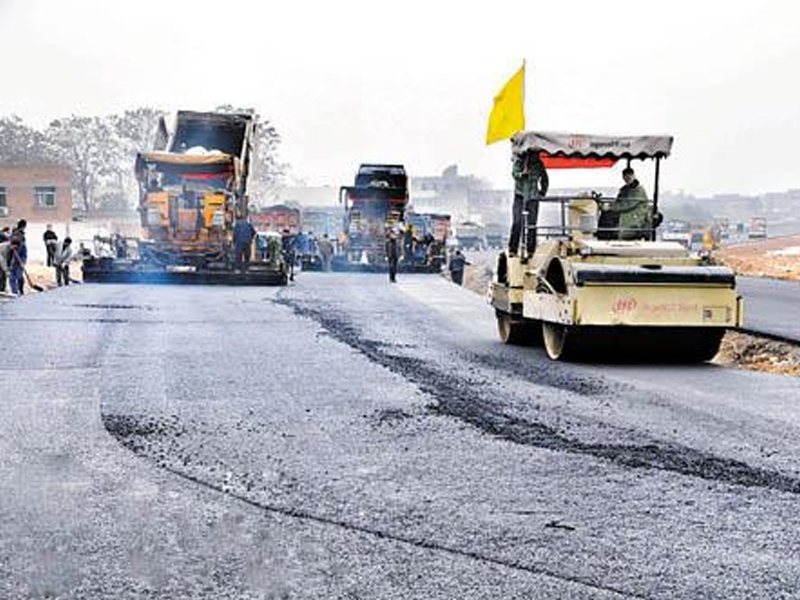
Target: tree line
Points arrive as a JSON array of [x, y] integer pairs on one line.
[[100, 151]]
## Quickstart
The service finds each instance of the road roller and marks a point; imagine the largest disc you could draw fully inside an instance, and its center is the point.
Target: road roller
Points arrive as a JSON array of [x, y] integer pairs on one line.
[[598, 287]]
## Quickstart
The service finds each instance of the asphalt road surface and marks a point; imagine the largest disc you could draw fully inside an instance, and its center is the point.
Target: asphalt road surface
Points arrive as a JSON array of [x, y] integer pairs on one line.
[[348, 438], [771, 306]]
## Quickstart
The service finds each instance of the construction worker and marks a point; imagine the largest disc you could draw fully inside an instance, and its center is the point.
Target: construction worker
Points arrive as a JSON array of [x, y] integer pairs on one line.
[[408, 244], [288, 248], [7, 249], [61, 260], [19, 256], [326, 252], [16, 270], [631, 213], [243, 234], [392, 254], [457, 263], [530, 184], [120, 245], [50, 243], [301, 244]]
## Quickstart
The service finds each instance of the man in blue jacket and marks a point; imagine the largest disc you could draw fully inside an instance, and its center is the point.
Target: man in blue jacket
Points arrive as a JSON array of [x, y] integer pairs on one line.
[[243, 234]]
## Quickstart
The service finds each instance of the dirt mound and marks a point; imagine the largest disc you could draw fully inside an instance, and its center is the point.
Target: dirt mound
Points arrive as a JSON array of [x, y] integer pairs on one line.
[[778, 258], [759, 354]]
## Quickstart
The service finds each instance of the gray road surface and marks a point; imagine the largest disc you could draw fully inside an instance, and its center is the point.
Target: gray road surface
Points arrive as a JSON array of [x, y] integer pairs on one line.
[[771, 306], [345, 438]]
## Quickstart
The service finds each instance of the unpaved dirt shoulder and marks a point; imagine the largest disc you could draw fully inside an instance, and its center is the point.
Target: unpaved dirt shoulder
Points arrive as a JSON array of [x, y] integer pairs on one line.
[[776, 258]]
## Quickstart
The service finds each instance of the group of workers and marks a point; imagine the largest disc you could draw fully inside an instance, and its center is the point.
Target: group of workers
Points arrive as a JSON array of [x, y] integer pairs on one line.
[[14, 257], [421, 249], [629, 217], [59, 254], [295, 249]]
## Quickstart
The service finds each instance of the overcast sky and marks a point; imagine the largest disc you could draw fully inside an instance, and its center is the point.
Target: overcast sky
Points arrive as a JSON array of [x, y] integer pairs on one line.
[[413, 81]]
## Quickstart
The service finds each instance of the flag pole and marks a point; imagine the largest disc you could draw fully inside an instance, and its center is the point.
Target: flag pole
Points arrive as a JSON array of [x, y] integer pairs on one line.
[[524, 91]]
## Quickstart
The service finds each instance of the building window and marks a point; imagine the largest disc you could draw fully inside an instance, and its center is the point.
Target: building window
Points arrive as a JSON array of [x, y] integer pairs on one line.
[[3, 202], [45, 197]]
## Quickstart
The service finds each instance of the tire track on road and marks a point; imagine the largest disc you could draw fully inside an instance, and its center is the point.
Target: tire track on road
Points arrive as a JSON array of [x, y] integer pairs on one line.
[[458, 398], [127, 431]]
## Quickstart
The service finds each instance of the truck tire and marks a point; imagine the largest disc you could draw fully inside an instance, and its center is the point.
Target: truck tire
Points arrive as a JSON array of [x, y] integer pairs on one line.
[[517, 332]]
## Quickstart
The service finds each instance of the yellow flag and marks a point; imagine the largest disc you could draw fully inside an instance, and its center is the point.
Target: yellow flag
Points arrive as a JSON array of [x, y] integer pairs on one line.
[[508, 112]]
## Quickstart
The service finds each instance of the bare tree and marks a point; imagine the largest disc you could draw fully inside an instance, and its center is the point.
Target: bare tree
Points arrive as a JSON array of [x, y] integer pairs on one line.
[[101, 152], [136, 130], [20, 143], [91, 148], [267, 172]]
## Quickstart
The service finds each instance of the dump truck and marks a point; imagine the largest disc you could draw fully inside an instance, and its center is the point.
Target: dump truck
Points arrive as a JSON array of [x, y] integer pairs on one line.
[[496, 235], [758, 228], [583, 293], [677, 231], [470, 235], [721, 227], [376, 203], [193, 186]]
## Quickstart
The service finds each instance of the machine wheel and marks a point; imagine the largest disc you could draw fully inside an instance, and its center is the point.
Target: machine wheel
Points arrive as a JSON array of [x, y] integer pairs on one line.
[[556, 338], [631, 344], [516, 332]]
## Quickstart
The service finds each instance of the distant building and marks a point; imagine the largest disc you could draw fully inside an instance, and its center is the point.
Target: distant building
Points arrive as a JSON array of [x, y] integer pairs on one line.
[[36, 193], [323, 220], [463, 196], [279, 218]]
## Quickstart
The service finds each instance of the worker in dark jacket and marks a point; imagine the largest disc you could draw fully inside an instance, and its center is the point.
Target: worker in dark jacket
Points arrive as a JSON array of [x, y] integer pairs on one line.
[[50, 244], [5, 236], [392, 254], [16, 271], [530, 184], [7, 249], [457, 263], [632, 212], [243, 234], [289, 250], [408, 244], [16, 275]]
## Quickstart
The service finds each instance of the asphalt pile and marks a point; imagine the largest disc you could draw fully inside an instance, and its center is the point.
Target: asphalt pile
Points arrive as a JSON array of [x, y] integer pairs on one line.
[[759, 354]]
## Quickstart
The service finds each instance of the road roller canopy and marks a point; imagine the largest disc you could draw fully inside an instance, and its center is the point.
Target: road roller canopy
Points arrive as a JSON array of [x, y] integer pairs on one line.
[[560, 150]]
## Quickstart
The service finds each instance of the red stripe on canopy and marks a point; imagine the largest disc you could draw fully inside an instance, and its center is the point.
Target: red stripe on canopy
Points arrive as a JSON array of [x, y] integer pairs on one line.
[[205, 175], [576, 162]]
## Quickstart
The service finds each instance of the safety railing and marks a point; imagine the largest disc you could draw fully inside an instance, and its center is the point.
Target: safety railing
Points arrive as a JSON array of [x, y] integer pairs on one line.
[[590, 223]]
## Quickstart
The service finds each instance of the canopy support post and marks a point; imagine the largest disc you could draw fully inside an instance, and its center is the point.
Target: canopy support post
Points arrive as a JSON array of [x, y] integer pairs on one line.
[[655, 194]]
